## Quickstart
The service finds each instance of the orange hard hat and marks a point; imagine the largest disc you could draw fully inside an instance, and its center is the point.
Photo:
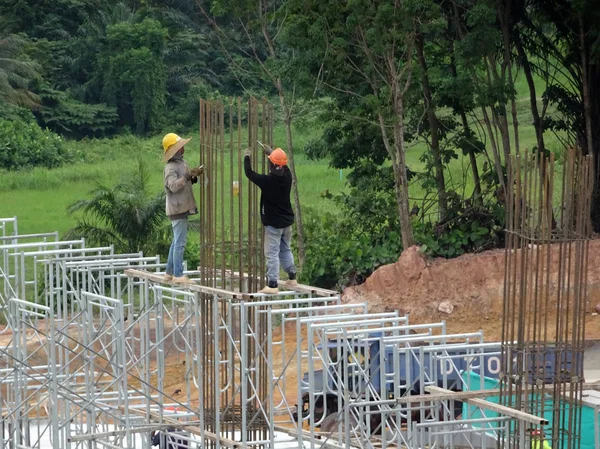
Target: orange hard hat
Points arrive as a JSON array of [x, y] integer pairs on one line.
[[278, 157]]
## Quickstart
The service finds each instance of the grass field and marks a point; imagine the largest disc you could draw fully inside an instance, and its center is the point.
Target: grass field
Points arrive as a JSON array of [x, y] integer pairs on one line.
[[39, 197]]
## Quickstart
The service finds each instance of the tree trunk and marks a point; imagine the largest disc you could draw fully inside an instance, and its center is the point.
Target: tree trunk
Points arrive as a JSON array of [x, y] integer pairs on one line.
[[397, 156], [587, 107], [433, 128], [297, 209], [499, 111], [495, 150], [504, 14], [537, 120], [476, 180], [591, 145], [477, 197], [402, 184]]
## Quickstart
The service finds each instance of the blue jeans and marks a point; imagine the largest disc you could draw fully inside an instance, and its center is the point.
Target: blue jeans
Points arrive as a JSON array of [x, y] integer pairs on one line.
[[277, 250], [175, 260]]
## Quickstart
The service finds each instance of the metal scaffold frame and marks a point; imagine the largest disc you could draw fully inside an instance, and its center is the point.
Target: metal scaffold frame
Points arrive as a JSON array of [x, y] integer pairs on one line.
[[91, 360]]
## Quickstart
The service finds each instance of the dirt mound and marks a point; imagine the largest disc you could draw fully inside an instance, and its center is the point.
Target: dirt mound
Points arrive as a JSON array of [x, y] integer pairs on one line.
[[467, 291]]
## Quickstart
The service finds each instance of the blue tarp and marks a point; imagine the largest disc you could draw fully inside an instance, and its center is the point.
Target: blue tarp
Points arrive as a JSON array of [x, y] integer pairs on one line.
[[474, 383]]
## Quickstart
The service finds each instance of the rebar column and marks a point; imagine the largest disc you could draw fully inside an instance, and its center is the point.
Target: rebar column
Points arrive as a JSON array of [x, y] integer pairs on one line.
[[231, 258], [548, 228]]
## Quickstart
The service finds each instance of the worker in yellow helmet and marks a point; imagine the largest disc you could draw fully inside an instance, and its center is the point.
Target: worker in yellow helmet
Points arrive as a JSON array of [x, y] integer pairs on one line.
[[180, 201]]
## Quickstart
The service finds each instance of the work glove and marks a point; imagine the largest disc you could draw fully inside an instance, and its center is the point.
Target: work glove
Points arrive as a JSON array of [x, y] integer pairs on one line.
[[194, 179], [248, 152], [196, 171], [267, 150]]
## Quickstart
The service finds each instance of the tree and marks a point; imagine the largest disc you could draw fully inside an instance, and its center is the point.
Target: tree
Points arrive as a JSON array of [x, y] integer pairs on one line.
[[262, 26], [125, 216], [16, 71], [563, 37], [366, 49], [135, 74], [427, 29]]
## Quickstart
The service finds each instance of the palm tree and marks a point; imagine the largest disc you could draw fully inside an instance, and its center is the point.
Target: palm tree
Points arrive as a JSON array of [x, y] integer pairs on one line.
[[125, 216], [16, 72]]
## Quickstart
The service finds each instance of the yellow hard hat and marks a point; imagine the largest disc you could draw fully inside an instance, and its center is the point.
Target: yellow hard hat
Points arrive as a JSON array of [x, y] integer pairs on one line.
[[172, 143]]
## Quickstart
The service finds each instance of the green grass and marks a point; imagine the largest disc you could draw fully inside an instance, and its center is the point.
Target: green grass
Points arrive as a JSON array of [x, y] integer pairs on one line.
[[40, 197]]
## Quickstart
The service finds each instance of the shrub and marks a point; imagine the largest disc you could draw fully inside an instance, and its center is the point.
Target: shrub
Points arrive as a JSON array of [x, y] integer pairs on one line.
[[72, 118], [25, 144], [340, 254]]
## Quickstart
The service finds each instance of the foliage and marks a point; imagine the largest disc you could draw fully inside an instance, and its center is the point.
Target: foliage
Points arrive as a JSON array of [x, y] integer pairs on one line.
[[73, 118], [470, 231], [24, 144], [135, 74], [12, 112], [339, 255], [16, 70], [126, 215]]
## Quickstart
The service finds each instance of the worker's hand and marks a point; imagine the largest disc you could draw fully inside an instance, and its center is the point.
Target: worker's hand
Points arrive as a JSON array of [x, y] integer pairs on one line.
[[267, 150], [248, 152], [197, 171], [194, 179]]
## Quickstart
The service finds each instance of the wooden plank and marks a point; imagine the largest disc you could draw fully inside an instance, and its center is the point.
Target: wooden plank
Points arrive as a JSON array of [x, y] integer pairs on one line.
[[462, 395], [325, 437], [302, 288], [196, 431], [451, 396], [503, 410], [159, 279]]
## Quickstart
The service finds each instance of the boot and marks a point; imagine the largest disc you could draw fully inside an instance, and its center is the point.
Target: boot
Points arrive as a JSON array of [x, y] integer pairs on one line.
[[270, 288], [182, 280], [291, 282]]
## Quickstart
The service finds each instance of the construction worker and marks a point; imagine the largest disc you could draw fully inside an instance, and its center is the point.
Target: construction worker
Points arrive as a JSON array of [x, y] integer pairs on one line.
[[538, 439], [276, 215], [180, 203]]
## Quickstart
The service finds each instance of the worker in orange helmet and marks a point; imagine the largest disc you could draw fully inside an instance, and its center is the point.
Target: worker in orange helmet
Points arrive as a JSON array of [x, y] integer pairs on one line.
[[276, 214]]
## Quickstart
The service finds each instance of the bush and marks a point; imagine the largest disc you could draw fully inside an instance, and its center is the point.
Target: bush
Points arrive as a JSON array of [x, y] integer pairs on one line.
[[339, 254], [11, 112], [72, 118], [25, 144]]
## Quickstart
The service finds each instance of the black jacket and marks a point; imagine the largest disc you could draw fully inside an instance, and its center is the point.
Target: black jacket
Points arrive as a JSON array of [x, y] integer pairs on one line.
[[275, 206]]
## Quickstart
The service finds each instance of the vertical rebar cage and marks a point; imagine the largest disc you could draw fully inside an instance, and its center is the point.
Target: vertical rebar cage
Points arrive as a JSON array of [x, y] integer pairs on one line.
[[231, 259], [548, 229], [231, 236]]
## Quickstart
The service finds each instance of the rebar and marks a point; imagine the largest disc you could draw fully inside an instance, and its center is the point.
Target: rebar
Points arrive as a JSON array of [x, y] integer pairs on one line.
[[548, 229], [231, 258]]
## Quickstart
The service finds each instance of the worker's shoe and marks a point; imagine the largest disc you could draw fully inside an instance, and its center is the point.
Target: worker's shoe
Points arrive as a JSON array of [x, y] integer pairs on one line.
[[270, 288], [182, 280], [291, 282], [168, 278]]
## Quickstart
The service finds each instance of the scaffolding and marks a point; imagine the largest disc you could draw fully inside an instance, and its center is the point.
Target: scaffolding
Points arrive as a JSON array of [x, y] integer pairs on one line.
[[93, 352]]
